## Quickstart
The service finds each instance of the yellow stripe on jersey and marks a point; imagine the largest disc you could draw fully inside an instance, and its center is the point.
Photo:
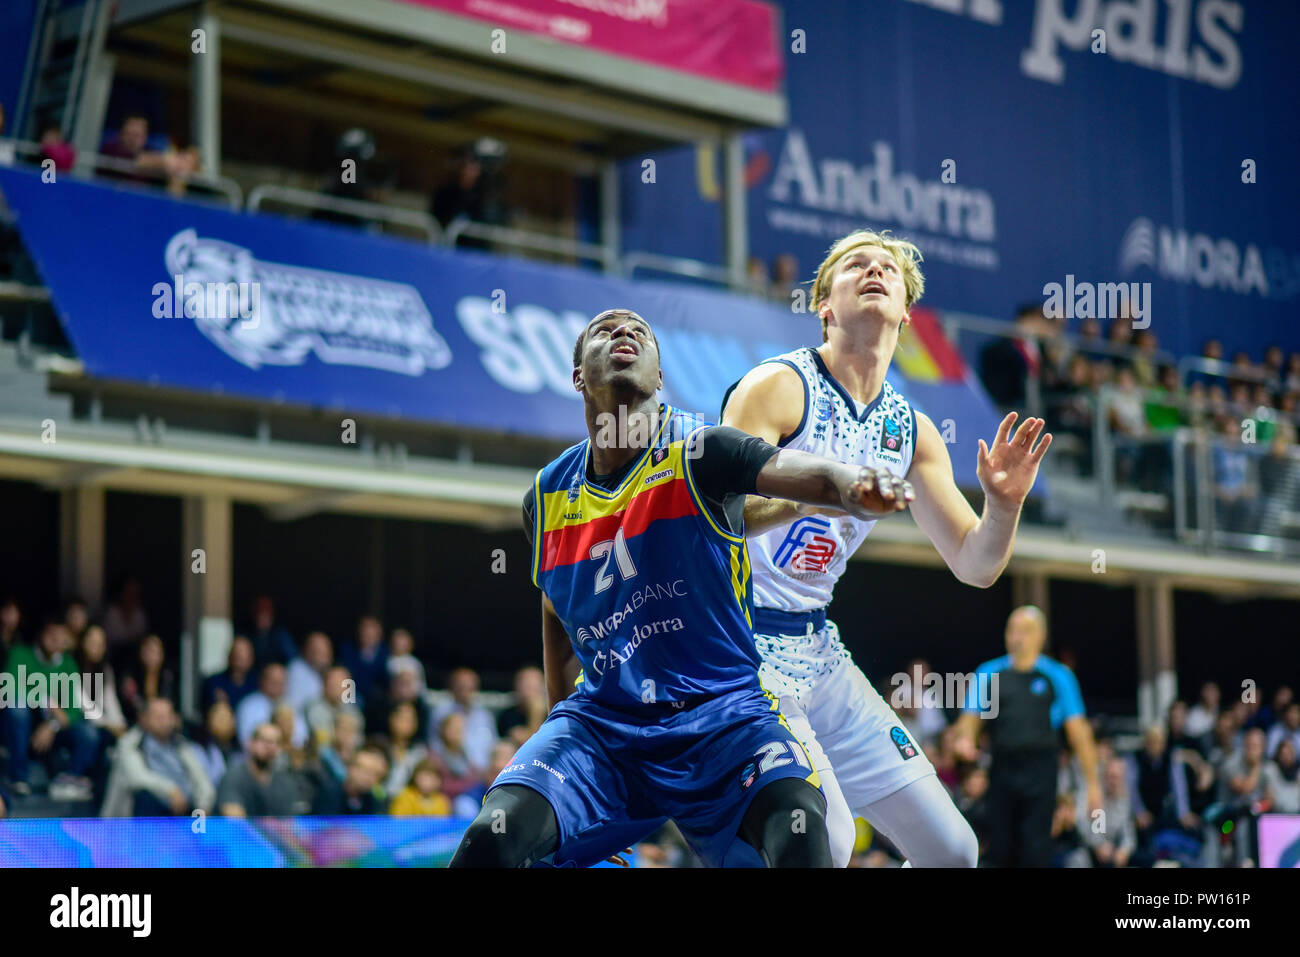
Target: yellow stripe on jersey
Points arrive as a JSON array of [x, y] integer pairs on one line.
[[814, 778], [739, 578], [539, 524], [699, 501]]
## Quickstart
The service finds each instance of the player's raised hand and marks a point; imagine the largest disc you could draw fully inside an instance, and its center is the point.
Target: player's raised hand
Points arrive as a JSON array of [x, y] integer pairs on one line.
[[876, 492], [1007, 470]]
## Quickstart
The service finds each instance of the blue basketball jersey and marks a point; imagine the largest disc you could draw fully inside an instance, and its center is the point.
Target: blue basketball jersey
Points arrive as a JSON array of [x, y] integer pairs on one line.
[[655, 596]]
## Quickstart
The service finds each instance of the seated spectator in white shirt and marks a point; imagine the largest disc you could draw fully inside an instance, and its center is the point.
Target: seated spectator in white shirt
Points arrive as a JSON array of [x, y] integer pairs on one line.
[[1202, 715], [156, 771], [1111, 837], [337, 696], [258, 708], [480, 726], [1282, 779], [401, 657], [306, 671]]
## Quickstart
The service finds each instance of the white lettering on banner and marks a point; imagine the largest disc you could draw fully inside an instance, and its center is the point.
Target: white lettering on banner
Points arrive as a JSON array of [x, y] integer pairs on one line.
[[1130, 27], [525, 348], [340, 318], [878, 193], [1210, 263]]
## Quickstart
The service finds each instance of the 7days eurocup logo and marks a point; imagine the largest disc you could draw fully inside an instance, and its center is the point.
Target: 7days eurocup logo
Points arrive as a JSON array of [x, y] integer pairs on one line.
[[264, 313]]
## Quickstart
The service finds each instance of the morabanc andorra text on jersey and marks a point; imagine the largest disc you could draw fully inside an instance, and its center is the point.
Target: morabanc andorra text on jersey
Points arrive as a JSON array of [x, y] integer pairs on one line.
[[655, 596], [796, 566]]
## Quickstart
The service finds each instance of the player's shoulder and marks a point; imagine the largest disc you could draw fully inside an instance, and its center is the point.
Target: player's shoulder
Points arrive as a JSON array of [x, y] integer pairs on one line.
[[1056, 670], [776, 385], [993, 665]]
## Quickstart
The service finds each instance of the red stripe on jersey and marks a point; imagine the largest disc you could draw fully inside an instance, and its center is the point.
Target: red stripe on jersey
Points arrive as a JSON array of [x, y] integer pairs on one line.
[[565, 546]]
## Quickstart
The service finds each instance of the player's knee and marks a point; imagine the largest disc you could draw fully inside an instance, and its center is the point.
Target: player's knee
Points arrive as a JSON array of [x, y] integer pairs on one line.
[[514, 829], [956, 845], [788, 824]]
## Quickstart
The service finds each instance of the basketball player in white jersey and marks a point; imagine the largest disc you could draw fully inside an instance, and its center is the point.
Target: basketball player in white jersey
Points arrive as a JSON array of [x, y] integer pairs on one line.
[[834, 401]]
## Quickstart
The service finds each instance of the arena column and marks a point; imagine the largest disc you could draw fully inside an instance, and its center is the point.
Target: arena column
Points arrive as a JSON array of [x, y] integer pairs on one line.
[[1157, 680], [81, 545], [206, 542]]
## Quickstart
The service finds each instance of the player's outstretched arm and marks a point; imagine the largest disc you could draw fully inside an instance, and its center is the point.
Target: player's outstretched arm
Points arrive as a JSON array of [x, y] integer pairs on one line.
[[557, 655], [769, 403], [976, 548], [813, 480]]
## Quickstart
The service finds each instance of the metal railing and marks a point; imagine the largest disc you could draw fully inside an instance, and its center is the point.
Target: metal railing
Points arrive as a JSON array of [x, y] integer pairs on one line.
[[524, 239], [676, 265], [88, 166], [359, 208]]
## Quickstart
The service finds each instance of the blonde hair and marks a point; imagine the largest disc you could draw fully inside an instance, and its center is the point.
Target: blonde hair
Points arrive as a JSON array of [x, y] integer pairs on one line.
[[905, 254]]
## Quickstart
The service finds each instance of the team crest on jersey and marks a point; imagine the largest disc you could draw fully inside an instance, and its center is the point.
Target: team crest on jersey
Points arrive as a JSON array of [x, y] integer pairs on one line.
[[822, 408], [891, 436], [748, 775], [902, 742], [806, 547], [658, 455]]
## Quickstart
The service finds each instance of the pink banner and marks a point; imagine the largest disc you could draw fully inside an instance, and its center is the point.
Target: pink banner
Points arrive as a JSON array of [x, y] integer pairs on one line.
[[733, 41]]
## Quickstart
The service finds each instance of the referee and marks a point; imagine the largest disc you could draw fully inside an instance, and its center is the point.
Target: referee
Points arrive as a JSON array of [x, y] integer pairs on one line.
[[1036, 696]]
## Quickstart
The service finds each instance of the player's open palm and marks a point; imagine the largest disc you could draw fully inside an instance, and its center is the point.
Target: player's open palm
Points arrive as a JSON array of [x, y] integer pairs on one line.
[[877, 492], [1007, 470]]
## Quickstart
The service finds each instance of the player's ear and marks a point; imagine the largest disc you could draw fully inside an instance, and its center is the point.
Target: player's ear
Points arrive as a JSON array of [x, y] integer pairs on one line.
[[577, 379], [907, 318]]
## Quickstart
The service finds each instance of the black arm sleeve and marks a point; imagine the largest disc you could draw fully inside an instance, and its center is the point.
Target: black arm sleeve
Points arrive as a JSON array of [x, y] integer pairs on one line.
[[725, 463]]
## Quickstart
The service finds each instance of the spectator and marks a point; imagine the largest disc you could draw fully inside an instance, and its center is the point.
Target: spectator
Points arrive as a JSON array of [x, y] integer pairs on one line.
[[460, 772], [271, 642], [1293, 373], [125, 623], [1233, 490], [361, 789], [305, 675], [56, 149], [925, 720], [337, 696], [423, 797], [972, 800], [235, 683], [76, 619], [289, 720], [1203, 715], [48, 729], [1224, 744], [257, 786], [530, 689], [344, 743], [147, 678], [131, 143], [757, 282], [473, 191], [1176, 728], [11, 618], [1269, 714], [401, 657], [1113, 842], [106, 717], [218, 747], [1006, 363], [405, 750], [1247, 791], [367, 661], [1160, 793], [157, 773], [258, 708], [785, 279], [1281, 780], [1288, 729], [480, 728]]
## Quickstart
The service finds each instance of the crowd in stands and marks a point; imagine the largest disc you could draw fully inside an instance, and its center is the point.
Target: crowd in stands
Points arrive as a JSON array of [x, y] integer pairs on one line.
[[338, 728], [287, 728], [1250, 408]]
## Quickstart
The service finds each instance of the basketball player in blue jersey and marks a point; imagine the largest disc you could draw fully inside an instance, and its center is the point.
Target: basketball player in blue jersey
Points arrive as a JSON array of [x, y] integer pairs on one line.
[[834, 400], [639, 550]]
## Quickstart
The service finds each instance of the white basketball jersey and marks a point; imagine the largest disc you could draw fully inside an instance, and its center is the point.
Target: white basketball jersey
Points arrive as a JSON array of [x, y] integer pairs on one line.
[[796, 566]]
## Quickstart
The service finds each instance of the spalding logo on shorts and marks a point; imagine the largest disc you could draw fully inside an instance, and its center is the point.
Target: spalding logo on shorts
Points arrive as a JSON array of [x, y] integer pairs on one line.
[[902, 742]]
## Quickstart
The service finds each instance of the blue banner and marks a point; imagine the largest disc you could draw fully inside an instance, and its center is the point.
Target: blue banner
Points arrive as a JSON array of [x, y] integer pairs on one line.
[[187, 295], [1018, 144]]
